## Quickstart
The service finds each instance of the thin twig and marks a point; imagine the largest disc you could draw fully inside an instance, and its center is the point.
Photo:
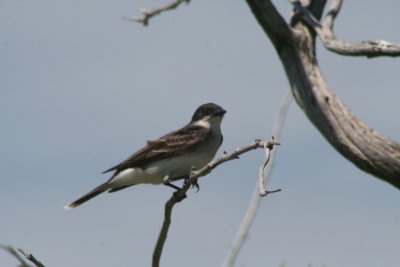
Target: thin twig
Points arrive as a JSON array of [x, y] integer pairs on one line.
[[255, 199], [148, 14], [31, 258], [325, 32], [15, 253], [261, 176], [181, 194]]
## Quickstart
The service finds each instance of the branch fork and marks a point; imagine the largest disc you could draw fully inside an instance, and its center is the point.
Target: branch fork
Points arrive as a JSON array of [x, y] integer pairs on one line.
[[180, 194], [147, 14], [268, 146], [326, 34]]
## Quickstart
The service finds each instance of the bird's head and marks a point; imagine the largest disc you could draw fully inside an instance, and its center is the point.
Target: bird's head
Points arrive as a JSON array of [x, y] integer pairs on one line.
[[209, 113]]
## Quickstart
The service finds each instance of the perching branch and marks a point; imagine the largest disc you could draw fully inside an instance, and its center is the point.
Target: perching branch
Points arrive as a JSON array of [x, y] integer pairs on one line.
[[295, 45], [181, 194], [148, 14], [325, 33], [256, 198]]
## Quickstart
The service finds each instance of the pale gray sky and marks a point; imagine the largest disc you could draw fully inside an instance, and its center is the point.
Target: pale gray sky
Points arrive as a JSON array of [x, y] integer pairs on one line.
[[81, 89]]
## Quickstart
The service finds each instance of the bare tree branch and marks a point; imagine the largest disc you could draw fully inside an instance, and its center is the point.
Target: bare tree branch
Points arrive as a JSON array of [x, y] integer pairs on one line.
[[13, 252], [332, 14], [22, 262], [31, 258], [148, 14], [164, 230], [261, 176], [255, 199], [276, 27], [316, 8], [360, 144], [325, 33], [181, 194]]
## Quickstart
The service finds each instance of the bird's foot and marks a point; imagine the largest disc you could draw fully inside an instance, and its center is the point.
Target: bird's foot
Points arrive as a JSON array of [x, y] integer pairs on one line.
[[194, 184], [177, 188]]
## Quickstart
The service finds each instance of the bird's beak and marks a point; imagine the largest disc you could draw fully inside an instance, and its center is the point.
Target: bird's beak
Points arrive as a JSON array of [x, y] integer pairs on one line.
[[220, 112]]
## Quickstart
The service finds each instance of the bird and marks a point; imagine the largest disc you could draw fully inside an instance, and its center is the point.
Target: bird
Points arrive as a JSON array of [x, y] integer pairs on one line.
[[169, 158]]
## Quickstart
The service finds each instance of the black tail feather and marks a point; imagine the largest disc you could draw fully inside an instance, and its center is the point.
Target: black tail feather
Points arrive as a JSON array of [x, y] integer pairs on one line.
[[98, 190]]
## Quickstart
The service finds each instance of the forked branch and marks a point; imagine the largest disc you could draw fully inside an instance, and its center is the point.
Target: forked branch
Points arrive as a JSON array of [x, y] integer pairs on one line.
[[251, 212], [148, 14], [373, 48], [181, 194], [352, 138]]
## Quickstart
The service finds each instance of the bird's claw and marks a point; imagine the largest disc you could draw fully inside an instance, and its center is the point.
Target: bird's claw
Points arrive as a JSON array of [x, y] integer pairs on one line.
[[196, 184]]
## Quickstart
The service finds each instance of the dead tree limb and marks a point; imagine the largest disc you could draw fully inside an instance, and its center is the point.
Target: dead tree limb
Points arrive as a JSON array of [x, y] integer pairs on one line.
[[373, 48], [21, 260], [251, 212], [15, 253], [31, 258], [147, 14], [295, 45]]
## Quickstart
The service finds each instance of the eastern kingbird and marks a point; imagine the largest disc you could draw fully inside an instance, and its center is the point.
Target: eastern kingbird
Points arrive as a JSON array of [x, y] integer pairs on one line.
[[169, 158]]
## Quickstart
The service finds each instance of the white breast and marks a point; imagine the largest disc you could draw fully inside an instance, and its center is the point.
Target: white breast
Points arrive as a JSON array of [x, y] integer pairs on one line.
[[175, 167]]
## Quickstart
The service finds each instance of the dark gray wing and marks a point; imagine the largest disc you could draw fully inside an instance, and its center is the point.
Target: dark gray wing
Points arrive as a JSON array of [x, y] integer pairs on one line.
[[171, 144]]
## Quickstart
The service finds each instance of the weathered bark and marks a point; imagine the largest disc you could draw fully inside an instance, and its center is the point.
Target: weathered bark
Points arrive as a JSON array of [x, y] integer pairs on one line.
[[295, 46]]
